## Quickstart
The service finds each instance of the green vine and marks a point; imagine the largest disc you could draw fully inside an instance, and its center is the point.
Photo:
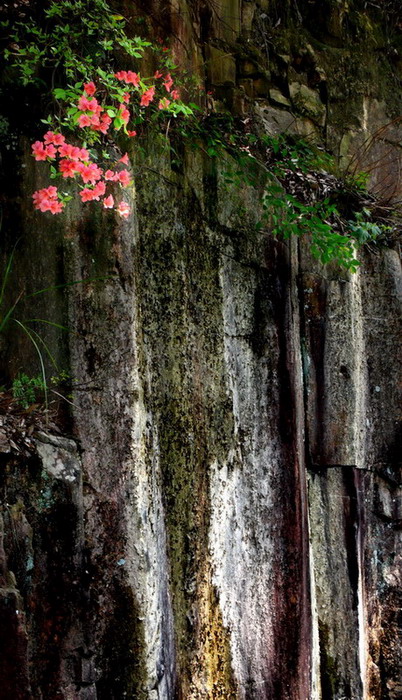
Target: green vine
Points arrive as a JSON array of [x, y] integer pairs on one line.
[[303, 194]]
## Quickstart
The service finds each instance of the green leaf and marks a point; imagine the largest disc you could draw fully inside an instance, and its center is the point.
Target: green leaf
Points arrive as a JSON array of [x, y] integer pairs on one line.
[[118, 123], [59, 94]]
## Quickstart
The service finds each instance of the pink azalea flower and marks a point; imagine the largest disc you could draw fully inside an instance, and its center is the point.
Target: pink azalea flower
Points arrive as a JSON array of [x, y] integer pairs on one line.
[[111, 175], [86, 105], [39, 151], [158, 75], [132, 78], [90, 88], [51, 151], [90, 173], [108, 202], [168, 82], [124, 178], [84, 120], [164, 103], [58, 139], [51, 191], [51, 137], [105, 123], [86, 194], [55, 207], [36, 197], [65, 150], [132, 133], [124, 113], [99, 190], [123, 209], [95, 122], [121, 75], [124, 159], [126, 97], [75, 153], [175, 95], [84, 154], [69, 151], [147, 97], [44, 204], [68, 167]]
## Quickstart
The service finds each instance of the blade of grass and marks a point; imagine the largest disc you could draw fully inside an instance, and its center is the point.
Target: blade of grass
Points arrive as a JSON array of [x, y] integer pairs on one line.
[[49, 323], [40, 339], [34, 343], [7, 272], [6, 318], [63, 397]]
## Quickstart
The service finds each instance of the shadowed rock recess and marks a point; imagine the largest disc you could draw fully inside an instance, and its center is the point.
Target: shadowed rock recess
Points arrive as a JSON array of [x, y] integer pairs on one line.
[[222, 516]]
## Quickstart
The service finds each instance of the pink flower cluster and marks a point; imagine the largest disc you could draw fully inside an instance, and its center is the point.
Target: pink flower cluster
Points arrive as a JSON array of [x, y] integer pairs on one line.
[[93, 113], [128, 77], [75, 161], [47, 200], [148, 95], [42, 151]]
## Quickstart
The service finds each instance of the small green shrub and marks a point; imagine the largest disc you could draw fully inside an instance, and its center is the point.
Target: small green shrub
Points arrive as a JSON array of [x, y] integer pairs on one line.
[[26, 390], [363, 230]]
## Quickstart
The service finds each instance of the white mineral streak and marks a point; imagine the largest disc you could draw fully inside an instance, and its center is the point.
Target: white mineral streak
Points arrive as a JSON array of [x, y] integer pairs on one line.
[[146, 555], [315, 651], [134, 453], [345, 372], [359, 371], [242, 529], [148, 574], [359, 432]]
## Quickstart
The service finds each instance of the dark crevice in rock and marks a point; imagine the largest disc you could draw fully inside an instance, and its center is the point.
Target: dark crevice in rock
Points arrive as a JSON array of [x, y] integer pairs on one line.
[[351, 531]]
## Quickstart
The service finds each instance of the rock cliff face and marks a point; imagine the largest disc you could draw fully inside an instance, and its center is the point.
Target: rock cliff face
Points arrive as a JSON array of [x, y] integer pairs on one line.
[[224, 520]]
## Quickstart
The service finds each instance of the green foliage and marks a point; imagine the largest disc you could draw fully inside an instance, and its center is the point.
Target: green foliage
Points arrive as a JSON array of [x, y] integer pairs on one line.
[[363, 230], [61, 377], [27, 389], [72, 39], [290, 217], [358, 181], [293, 153], [299, 188]]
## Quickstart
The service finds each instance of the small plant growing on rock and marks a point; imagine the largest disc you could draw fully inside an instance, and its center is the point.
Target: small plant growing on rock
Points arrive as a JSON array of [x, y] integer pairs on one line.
[[27, 389]]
